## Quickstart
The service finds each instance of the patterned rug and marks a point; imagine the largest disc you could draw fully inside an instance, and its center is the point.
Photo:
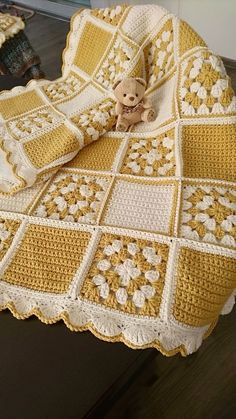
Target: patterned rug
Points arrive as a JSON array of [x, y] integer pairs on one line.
[[132, 237]]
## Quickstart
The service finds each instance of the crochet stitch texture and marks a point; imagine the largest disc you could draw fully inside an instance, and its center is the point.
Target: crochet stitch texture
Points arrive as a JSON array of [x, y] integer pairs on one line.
[[133, 237]]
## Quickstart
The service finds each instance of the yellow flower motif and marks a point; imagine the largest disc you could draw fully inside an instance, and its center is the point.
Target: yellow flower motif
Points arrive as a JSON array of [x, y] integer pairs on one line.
[[207, 77], [218, 211]]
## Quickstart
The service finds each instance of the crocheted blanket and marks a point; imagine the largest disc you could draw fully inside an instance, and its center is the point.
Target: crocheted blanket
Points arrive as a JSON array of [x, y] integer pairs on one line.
[[132, 238]]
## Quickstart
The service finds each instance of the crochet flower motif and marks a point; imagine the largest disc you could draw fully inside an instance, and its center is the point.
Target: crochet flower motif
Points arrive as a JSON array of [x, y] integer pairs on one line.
[[209, 214], [110, 15], [159, 54], [32, 123], [96, 121], [8, 229], [127, 274], [73, 197], [116, 63], [64, 88], [205, 87], [151, 157]]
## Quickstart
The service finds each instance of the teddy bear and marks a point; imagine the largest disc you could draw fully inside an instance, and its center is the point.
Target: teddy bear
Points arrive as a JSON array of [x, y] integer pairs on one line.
[[131, 106]]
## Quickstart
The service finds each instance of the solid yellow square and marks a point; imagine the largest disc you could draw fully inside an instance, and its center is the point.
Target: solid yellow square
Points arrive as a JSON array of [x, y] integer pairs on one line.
[[91, 47], [98, 155], [188, 38], [44, 259], [209, 151], [18, 105], [204, 282], [51, 146]]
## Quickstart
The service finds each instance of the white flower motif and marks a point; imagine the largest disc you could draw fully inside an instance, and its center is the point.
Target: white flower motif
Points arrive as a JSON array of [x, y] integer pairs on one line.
[[152, 276], [189, 191], [203, 109], [98, 280], [133, 248], [151, 256], [104, 290], [101, 117], [41, 211], [189, 233], [148, 291], [161, 57], [87, 218], [217, 108], [134, 166], [228, 223], [104, 265], [186, 217], [134, 156], [85, 191], [210, 237], [136, 146], [4, 234], [61, 203], [164, 169], [228, 240], [148, 170], [69, 188], [127, 270], [226, 203], [92, 132], [69, 218], [121, 296], [206, 202], [202, 93], [55, 216], [168, 142], [165, 35], [115, 247], [152, 156], [183, 92], [138, 298], [208, 222]]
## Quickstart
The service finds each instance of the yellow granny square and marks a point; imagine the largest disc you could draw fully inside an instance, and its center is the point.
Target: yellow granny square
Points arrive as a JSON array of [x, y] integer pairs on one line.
[[44, 262], [209, 151], [127, 274], [208, 213], [74, 197], [204, 282], [151, 156]]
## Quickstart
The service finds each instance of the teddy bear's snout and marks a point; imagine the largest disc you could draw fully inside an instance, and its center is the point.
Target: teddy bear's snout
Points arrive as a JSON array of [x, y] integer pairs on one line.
[[131, 98]]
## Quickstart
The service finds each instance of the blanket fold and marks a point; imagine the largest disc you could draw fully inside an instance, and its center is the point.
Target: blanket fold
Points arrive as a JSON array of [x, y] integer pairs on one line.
[[129, 235]]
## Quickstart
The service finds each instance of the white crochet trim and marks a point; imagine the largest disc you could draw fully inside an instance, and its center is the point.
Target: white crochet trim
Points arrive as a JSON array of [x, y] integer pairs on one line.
[[137, 332]]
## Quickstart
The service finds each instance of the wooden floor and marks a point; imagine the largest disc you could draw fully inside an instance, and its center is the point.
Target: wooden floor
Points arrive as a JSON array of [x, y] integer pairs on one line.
[[200, 386]]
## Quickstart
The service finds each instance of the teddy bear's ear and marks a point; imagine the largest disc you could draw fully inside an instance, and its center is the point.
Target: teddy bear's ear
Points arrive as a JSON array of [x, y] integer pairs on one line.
[[116, 84], [141, 81]]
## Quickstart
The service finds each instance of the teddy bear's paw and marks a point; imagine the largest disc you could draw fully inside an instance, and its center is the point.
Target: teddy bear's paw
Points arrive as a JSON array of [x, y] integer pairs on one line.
[[151, 115], [121, 127]]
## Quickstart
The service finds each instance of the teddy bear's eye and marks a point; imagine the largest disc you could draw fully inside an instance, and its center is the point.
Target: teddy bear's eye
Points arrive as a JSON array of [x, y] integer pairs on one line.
[[124, 94], [136, 94]]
